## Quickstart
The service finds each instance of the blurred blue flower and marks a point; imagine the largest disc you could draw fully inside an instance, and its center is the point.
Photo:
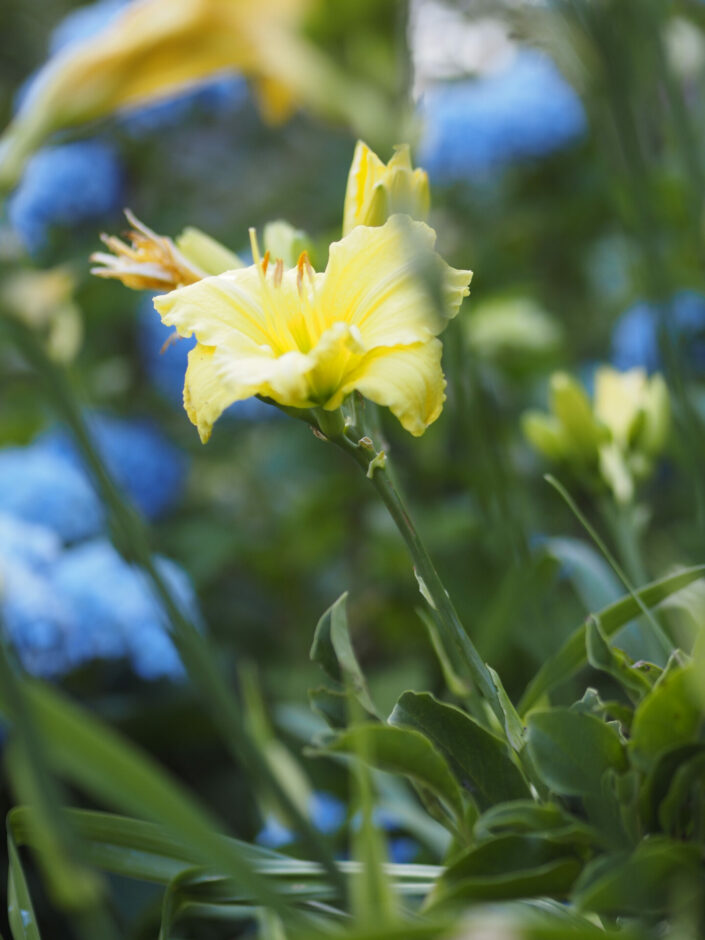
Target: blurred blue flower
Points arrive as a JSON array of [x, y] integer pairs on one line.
[[476, 126], [402, 850], [42, 487], [274, 835], [635, 338], [326, 811], [84, 22], [65, 186], [149, 469], [165, 357], [37, 622], [28, 543], [114, 609]]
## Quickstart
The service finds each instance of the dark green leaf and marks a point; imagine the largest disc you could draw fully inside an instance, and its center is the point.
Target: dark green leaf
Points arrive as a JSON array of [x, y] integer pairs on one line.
[[659, 778], [553, 879], [525, 816], [572, 655], [572, 750], [640, 883], [479, 760]]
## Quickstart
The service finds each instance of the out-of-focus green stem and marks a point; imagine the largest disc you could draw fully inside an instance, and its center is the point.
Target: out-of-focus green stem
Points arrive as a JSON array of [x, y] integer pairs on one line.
[[130, 538]]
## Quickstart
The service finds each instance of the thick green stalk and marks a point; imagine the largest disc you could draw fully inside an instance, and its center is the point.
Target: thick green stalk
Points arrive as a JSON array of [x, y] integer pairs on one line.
[[129, 535]]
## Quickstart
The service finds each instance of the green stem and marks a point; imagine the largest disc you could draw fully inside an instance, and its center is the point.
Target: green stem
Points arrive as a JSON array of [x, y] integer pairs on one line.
[[430, 582], [130, 538]]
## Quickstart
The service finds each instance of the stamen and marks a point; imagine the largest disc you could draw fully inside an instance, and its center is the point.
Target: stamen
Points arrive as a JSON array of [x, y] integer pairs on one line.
[[256, 257], [169, 341], [265, 262], [278, 272], [300, 272]]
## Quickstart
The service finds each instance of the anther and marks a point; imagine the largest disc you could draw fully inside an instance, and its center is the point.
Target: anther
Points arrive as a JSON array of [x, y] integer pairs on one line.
[[278, 272], [265, 262]]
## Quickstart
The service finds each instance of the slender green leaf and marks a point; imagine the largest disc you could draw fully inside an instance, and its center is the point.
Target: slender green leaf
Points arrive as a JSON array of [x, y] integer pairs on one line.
[[100, 761], [572, 655], [332, 649], [572, 750], [20, 910], [479, 760], [614, 662]]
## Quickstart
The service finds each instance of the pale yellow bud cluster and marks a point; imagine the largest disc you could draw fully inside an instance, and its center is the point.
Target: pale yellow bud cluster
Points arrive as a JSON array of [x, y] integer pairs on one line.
[[612, 439]]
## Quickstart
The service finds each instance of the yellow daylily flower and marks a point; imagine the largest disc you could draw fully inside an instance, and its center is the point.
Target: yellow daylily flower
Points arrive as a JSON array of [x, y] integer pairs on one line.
[[377, 190], [153, 49], [307, 339]]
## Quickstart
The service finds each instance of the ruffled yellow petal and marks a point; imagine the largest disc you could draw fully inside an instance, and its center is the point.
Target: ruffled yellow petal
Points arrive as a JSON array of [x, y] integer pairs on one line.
[[205, 396], [407, 379], [390, 283], [215, 308]]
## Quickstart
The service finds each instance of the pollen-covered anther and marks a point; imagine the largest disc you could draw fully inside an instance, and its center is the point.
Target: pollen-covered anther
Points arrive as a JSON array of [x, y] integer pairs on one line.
[[265, 261]]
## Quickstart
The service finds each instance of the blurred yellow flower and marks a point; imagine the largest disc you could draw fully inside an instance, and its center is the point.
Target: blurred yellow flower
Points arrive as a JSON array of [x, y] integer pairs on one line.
[[377, 190], [43, 300], [153, 49], [304, 339]]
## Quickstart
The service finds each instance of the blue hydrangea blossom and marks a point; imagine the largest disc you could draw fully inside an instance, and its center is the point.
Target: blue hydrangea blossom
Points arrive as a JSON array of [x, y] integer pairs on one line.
[[476, 126], [45, 488], [150, 470], [65, 186]]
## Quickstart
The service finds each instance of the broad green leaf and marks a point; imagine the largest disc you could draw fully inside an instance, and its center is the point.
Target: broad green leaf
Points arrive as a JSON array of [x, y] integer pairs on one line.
[[479, 760], [20, 910], [332, 649], [405, 751], [614, 662], [572, 655], [640, 883], [109, 768], [572, 750], [667, 718]]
